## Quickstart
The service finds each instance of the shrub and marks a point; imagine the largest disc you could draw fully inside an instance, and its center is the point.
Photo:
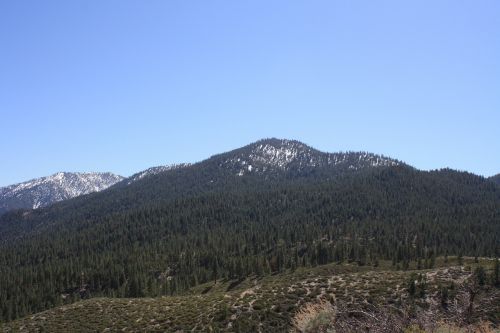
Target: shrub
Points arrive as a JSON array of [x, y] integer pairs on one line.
[[314, 317]]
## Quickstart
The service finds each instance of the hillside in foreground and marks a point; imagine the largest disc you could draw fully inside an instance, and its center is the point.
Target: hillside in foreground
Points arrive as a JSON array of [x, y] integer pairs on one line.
[[454, 296]]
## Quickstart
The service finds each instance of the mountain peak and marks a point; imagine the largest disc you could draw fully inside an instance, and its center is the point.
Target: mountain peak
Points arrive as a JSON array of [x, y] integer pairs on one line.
[[274, 154], [43, 191], [278, 152], [276, 142]]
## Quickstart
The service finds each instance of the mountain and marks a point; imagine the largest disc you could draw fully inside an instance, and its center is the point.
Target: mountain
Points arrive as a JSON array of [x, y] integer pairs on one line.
[[153, 171], [495, 179], [270, 207], [41, 192], [264, 163], [275, 155]]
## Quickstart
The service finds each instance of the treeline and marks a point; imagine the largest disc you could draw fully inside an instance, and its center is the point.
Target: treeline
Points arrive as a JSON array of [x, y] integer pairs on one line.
[[248, 227]]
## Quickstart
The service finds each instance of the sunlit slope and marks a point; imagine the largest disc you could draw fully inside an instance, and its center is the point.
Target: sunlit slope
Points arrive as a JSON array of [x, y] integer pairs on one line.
[[344, 296]]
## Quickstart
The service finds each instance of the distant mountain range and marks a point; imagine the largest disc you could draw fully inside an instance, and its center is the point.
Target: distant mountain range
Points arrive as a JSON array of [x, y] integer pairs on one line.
[[41, 192], [267, 157]]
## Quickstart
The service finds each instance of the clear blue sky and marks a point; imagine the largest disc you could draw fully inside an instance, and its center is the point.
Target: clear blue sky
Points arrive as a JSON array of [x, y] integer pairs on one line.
[[124, 85]]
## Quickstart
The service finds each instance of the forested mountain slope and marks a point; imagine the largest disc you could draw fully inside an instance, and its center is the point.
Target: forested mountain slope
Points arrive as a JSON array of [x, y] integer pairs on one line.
[[496, 179], [293, 207], [262, 164]]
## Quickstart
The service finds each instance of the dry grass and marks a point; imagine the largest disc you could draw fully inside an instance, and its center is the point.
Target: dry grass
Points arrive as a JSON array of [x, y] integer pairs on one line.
[[481, 327], [330, 298], [314, 317]]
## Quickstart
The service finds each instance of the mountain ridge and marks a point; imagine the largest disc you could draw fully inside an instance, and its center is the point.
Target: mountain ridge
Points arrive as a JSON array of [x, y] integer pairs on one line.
[[284, 154], [44, 191], [271, 158], [154, 171], [495, 179], [268, 157]]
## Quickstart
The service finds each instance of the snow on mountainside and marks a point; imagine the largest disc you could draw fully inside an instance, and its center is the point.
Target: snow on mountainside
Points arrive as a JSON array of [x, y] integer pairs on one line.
[[154, 171], [44, 191], [267, 157], [285, 155]]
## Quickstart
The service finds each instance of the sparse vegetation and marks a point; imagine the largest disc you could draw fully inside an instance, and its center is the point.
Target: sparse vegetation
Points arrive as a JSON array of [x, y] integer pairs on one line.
[[329, 298], [318, 317]]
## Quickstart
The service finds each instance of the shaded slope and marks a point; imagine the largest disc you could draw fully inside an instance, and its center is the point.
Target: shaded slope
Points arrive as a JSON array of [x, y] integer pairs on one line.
[[495, 179]]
